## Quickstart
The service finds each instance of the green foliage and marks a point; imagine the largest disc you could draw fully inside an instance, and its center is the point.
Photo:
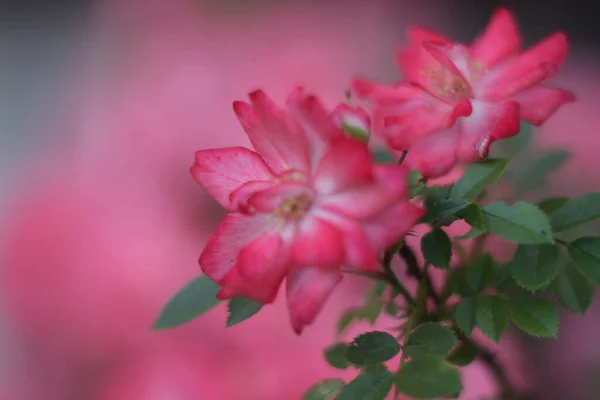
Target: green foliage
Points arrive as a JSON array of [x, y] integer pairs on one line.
[[373, 385], [428, 377], [515, 145], [548, 206], [415, 183], [324, 390], [382, 156], [585, 253], [534, 175], [443, 210], [534, 316], [370, 311], [462, 355], [573, 290], [465, 313], [430, 339], [437, 248], [535, 266], [576, 211], [193, 300], [372, 348], [480, 273], [477, 176], [347, 317], [502, 276], [491, 316], [473, 233], [355, 132], [240, 309], [336, 355], [473, 215], [520, 223], [469, 280]]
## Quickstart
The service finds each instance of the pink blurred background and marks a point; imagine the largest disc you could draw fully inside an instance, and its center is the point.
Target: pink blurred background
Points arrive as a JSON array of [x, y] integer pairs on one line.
[[104, 104]]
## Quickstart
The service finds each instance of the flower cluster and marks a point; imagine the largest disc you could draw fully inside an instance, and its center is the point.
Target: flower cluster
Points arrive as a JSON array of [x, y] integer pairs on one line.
[[310, 202], [306, 203], [456, 100]]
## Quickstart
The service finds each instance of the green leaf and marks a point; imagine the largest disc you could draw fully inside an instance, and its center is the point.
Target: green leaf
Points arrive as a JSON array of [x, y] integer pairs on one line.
[[474, 232], [371, 310], [520, 223], [381, 156], [347, 317], [336, 355], [573, 290], [415, 183], [437, 248], [457, 282], [193, 300], [585, 253], [464, 314], [430, 339], [576, 211], [548, 206], [472, 215], [372, 348], [373, 385], [240, 309], [391, 308], [491, 315], [514, 145], [355, 132], [463, 355], [535, 266], [480, 273], [428, 378], [502, 276], [373, 368], [477, 176], [534, 176], [324, 390], [443, 209], [534, 316]]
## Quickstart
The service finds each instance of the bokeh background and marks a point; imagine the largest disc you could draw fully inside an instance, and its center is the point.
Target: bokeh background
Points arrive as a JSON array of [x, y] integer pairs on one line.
[[102, 105]]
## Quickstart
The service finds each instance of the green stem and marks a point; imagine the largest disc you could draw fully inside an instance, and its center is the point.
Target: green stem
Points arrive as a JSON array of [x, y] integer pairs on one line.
[[561, 242], [413, 269], [478, 247], [378, 276], [393, 279], [402, 156], [507, 390]]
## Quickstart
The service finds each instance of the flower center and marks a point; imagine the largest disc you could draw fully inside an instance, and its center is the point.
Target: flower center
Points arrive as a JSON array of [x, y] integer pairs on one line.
[[295, 208], [447, 85]]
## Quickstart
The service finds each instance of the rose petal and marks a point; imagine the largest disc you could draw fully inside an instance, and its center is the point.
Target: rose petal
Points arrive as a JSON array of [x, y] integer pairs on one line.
[[414, 60], [236, 231], [239, 198], [270, 199], [318, 125], [499, 41], [538, 104], [364, 201], [392, 225], [261, 267], [307, 290], [273, 133], [489, 122], [347, 163], [223, 171], [516, 73], [317, 243], [435, 155]]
